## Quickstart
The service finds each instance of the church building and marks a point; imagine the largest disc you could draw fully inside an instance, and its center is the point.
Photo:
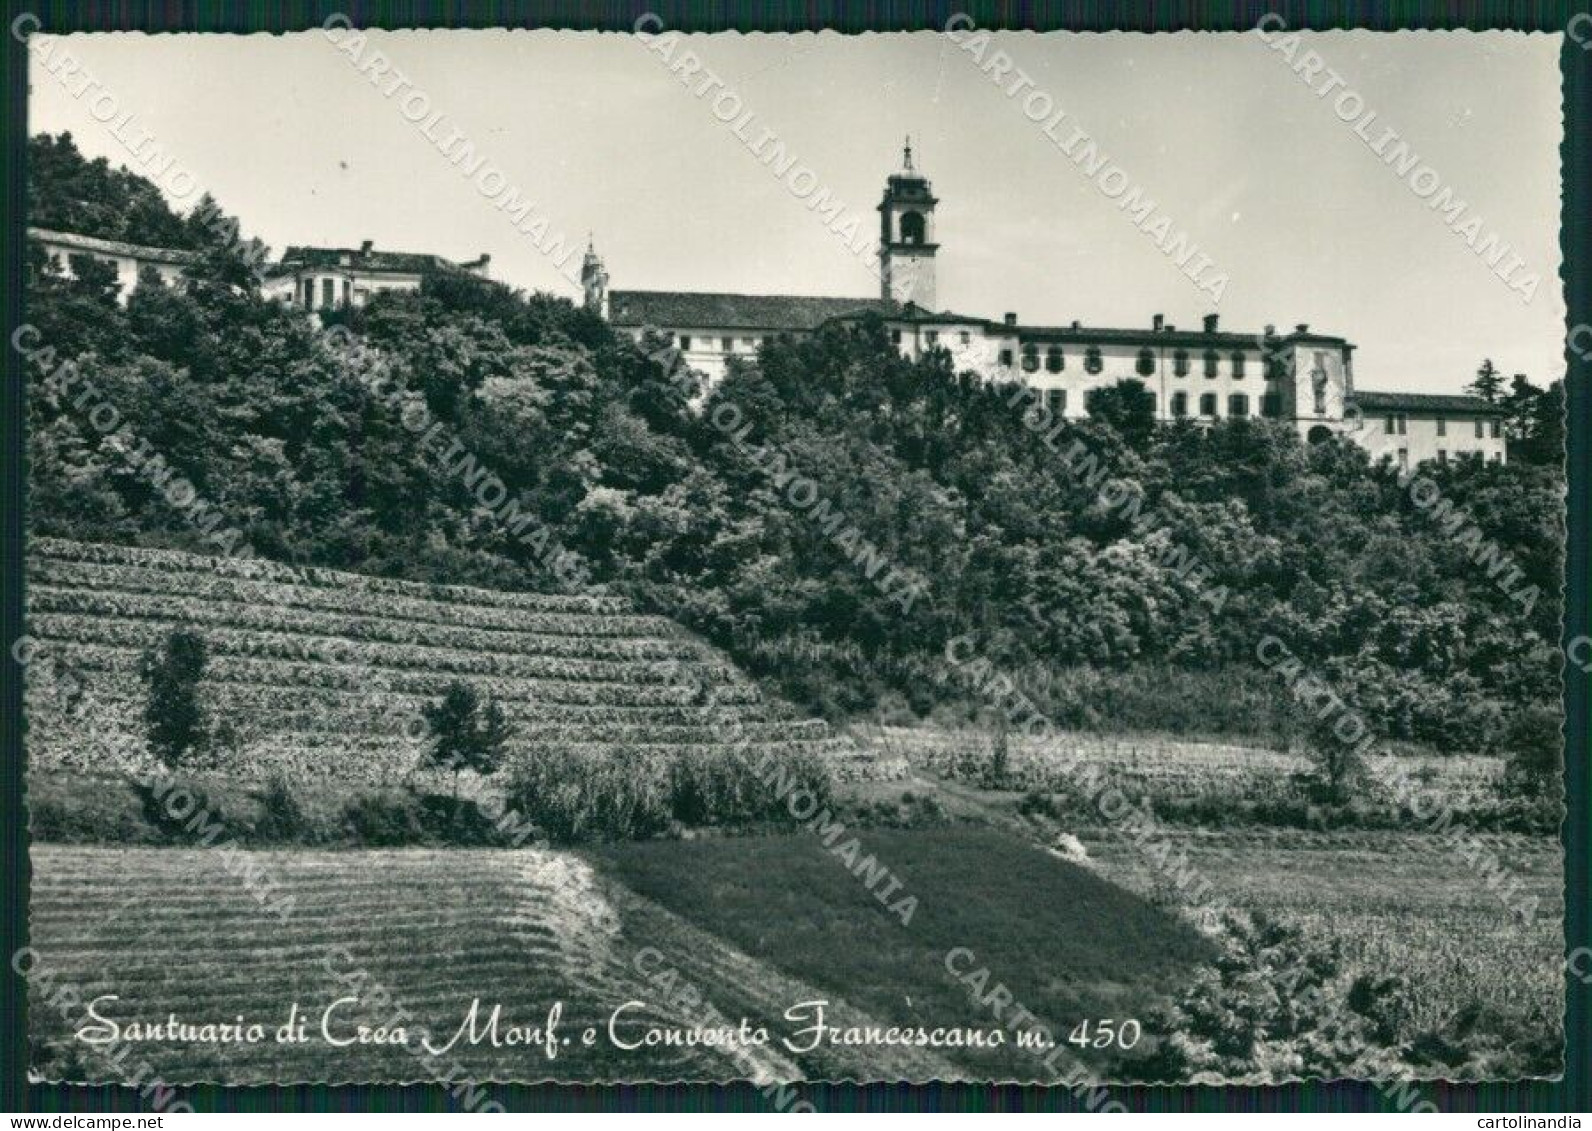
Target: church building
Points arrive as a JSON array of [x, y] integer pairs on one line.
[[1207, 373]]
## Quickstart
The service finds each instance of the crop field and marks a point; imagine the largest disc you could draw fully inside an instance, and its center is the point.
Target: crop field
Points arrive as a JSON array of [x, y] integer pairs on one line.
[[1157, 767], [1399, 903], [324, 673], [756, 925], [414, 936]]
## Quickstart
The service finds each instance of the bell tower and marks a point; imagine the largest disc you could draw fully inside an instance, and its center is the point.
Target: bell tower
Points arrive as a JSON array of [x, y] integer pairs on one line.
[[906, 236], [594, 281]]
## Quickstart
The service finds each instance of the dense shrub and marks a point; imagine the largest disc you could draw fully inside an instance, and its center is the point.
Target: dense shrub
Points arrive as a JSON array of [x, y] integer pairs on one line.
[[282, 818], [576, 793], [1533, 742], [709, 786], [384, 820], [174, 722]]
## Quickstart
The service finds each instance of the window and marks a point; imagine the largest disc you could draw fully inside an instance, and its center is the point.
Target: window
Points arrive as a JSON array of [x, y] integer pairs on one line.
[[1207, 404], [1387, 426], [1006, 359], [1211, 362], [895, 336], [1238, 405], [1480, 431], [309, 292], [1271, 405], [932, 337], [965, 337], [1403, 422], [1180, 404], [1404, 459], [1056, 401], [1092, 362], [1055, 360], [1442, 426], [326, 292], [1442, 456], [348, 291], [1180, 363], [1238, 363], [727, 345], [1146, 362], [1030, 357], [1498, 457], [1497, 429], [685, 341]]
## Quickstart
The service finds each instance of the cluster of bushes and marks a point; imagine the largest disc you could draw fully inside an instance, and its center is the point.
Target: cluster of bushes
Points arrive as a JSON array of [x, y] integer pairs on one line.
[[1275, 1005], [197, 809], [578, 793]]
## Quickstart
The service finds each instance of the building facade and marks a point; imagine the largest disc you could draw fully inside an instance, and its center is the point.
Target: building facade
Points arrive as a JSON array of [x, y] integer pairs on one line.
[[316, 278], [130, 260], [1301, 376], [327, 278]]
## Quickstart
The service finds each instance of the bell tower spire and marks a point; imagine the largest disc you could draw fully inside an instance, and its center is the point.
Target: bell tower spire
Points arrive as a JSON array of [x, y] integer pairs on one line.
[[906, 236], [594, 280]]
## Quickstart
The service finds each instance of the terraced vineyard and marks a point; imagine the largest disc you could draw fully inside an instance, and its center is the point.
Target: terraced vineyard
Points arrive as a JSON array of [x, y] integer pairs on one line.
[[323, 673]]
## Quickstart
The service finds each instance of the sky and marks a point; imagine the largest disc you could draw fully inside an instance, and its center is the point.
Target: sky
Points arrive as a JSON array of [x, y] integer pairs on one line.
[[1307, 223]]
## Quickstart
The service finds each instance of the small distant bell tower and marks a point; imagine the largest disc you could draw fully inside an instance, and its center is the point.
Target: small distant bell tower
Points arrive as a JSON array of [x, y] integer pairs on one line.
[[594, 280], [906, 236]]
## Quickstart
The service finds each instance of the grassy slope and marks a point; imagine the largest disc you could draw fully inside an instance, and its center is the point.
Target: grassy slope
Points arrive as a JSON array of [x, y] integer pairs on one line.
[[1067, 943]]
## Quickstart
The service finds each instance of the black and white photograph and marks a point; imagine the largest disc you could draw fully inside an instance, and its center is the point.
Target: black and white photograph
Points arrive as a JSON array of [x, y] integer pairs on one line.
[[646, 556]]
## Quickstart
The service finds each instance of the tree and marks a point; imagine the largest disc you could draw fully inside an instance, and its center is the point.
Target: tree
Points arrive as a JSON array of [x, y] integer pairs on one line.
[[1337, 764], [1128, 407], [173, 717], [467, 733], [1534, 421], [1489, 383], [1534, 744]]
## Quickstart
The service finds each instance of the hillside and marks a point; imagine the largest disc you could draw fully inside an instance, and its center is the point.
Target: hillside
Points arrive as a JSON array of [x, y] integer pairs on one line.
[[323, 673]]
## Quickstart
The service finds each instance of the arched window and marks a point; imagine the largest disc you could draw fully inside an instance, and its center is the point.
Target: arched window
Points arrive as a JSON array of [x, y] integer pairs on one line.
[[1179, 404], [1091, 360], [1180, 363], [1238, 363], [1211, 361], [912, 227], [1207, 404], [1030, 357], [1146, 362], [1238, 405], [1055, 360]]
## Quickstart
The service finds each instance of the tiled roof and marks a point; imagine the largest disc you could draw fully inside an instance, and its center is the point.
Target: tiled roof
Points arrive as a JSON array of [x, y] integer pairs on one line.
[[703, 310], [1371, 401], [398, 262], [112, 247]]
